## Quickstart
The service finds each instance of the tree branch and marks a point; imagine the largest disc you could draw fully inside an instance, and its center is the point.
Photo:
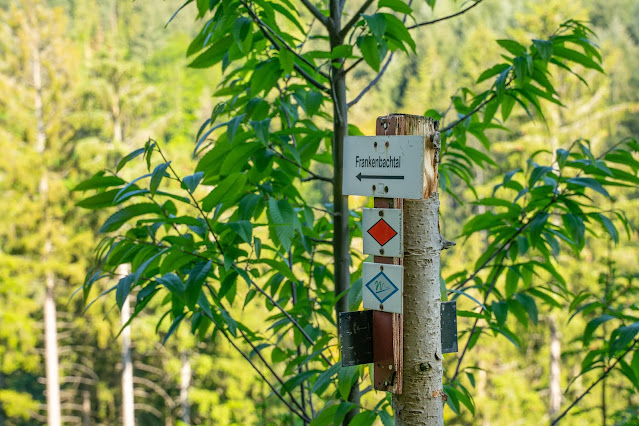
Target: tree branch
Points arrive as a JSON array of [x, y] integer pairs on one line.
[[315, 12], [257, 370], [314, 175], [373, 82], [347, 27], [472, 331], [461, 12], [603, 376], [480, 106], [267, 31]]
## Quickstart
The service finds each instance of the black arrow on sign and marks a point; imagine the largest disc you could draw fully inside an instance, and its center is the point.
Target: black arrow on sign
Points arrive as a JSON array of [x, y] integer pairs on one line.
[[361, 176]]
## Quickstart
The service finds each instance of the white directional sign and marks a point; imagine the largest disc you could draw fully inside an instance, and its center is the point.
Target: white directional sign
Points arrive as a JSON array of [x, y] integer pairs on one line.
[[384, 166], [383, 287], [382, 231]]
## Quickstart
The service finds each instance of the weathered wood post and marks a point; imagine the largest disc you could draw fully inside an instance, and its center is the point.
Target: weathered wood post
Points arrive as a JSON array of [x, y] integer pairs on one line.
[[402, 332], [420, 402]]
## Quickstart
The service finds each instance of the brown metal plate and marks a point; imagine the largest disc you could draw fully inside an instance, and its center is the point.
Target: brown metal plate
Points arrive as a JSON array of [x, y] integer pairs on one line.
[[387, 351]]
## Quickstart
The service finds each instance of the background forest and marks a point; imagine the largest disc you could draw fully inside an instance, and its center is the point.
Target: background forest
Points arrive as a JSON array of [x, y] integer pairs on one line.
[[110, 75]]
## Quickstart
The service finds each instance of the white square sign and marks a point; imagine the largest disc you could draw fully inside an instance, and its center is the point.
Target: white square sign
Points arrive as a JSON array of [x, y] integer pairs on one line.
[[384, 166], [382, 231], [382, 287]]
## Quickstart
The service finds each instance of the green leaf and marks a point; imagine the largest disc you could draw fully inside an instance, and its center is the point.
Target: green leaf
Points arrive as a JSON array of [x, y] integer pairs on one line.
[[610, 227], [536, 227], [589, 183], [622, 336], [493, 71], [342, 51], [544, 47], [262, 130], [513, 47], [194, 283], [500, 309], [365, 418], [282, 219], [574, 56], [592, 326], [313, 102], [346, 377], [507, 104], [119, 218], [368, 46], [99, 181], [244, 229], [287, 60], [173, 283], [227, 191], [128, 158], [396, 5], [512, 280], [396, 29], [355, 295], [576, 228], [191, 182], [232, 127], [529, 304], [174, 327], [213, 54], [377, 25], [123, 289], [156, 177]]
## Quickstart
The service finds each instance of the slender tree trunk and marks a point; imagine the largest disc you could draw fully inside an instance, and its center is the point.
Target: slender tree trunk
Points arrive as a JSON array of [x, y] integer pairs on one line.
[[421, 400], [341, 237], [52, 366], [555, 369], [128, 409], [185, 384], [86, 408]]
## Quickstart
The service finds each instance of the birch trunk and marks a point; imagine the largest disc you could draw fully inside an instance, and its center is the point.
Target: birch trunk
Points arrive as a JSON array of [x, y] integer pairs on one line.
[[52, 365], [128, 409], [421, 400], [185, 383], [555, 369]]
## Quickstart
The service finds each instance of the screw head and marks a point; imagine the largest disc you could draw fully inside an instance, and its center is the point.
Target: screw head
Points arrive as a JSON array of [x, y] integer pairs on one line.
[[390, 367], [387, 144], [381, 251], [381, 212], [375, 145], [381, 307], [374, 188], [385, 189]]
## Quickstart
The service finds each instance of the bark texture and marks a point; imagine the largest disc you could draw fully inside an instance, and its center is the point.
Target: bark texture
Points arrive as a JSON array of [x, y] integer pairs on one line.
[[421, 400]]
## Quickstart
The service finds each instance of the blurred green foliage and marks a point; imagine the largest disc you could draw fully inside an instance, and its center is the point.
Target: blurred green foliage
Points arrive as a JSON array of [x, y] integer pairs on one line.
[[115, 77]]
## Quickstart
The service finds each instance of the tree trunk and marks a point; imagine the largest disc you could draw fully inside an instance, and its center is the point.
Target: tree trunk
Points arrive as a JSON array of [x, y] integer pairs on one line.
[[421, 400], [341, 238], [52, 366], [555, 369], [185, 383], [128, 410], [86, 408]]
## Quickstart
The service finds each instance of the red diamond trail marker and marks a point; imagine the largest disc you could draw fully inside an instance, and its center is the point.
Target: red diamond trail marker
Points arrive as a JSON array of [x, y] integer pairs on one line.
[[383, 236], [382, 232]]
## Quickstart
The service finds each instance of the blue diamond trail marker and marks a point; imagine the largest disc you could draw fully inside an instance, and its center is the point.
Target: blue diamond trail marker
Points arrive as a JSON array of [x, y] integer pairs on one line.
[[383, 285]]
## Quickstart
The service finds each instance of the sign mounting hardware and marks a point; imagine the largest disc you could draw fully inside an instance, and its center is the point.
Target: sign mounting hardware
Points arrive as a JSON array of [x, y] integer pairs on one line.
[[383, 287], [384, 166], [383, 232]]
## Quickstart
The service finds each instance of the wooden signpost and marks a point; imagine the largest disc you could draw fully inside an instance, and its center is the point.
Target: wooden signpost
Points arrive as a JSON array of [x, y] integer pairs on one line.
[[398, 163]]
